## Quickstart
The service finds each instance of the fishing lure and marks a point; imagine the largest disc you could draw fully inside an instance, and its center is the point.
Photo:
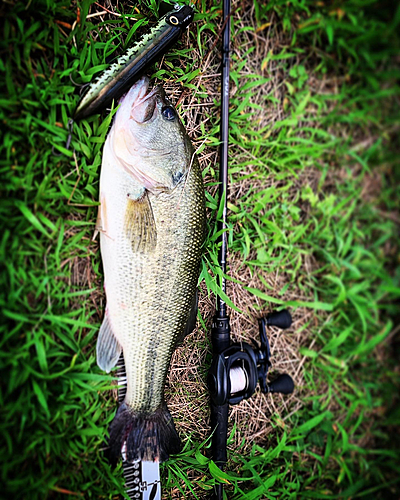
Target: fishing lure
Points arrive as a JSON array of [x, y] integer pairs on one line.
[[120, 76]]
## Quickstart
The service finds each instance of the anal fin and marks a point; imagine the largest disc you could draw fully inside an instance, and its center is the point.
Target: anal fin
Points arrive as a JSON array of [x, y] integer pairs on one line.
[[108, 349], [140, 226]]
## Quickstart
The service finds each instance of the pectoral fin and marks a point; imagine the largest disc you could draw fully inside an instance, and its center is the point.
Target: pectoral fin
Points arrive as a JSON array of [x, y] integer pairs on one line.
[[101, 221], [108, 349], [140, 226]]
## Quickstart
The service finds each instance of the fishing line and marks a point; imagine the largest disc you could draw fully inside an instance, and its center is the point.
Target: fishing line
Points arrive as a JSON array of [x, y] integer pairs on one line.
[[238, 379]]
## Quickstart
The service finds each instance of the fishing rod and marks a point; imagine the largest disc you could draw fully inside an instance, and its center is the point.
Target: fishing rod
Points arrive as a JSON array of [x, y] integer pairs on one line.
[[236, 368]]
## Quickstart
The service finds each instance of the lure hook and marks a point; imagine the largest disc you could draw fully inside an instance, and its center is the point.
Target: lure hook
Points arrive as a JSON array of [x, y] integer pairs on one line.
[[70, 128], [77, 84]]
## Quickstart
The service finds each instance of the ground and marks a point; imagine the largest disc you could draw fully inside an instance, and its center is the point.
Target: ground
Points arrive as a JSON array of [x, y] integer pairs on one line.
[[313, 226]]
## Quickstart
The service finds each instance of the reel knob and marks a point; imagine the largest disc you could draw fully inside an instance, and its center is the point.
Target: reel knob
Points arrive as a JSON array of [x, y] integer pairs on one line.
[[280, 319], [283, 384]]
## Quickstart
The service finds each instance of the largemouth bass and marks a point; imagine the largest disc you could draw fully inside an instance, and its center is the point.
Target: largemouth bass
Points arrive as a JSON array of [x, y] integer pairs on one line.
[[120, 76], [152, 227]]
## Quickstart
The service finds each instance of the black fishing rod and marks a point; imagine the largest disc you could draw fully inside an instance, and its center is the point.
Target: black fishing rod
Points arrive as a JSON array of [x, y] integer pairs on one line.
[[220, 331], [236, 368]]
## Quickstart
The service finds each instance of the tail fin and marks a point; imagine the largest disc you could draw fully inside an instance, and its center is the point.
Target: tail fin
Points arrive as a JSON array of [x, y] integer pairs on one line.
[[143, 436]]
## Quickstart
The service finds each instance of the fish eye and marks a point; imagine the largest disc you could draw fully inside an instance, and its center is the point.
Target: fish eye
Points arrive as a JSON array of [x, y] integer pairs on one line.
[[168, 112]]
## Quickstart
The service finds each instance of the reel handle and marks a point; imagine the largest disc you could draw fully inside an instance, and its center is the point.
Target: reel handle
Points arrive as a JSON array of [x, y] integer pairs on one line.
[[283, 384], [280, 319]]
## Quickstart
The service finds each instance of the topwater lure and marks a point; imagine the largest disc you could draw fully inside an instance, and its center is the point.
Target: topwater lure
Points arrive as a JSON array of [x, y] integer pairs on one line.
[[120, 76]]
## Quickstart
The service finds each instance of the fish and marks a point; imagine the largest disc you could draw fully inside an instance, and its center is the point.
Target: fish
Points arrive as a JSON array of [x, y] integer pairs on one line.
[[152, 229], [120, 76]]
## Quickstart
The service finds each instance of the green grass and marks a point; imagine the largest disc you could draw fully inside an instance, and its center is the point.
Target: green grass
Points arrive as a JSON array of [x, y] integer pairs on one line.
[[55, 403]]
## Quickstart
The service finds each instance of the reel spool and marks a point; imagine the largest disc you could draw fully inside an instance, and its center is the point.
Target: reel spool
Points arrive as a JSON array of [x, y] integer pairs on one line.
[[235, 371]]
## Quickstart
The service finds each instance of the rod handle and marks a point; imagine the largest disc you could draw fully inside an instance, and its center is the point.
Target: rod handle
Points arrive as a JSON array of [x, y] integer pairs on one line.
[[280, 319], [219, 426], [283, 384]]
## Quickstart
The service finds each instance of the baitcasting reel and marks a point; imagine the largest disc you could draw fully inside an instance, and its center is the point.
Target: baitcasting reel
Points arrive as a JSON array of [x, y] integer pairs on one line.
[[235, 371]]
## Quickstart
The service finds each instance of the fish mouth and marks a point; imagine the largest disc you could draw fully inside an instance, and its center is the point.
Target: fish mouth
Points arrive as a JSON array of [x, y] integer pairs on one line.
[[144, 101]]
